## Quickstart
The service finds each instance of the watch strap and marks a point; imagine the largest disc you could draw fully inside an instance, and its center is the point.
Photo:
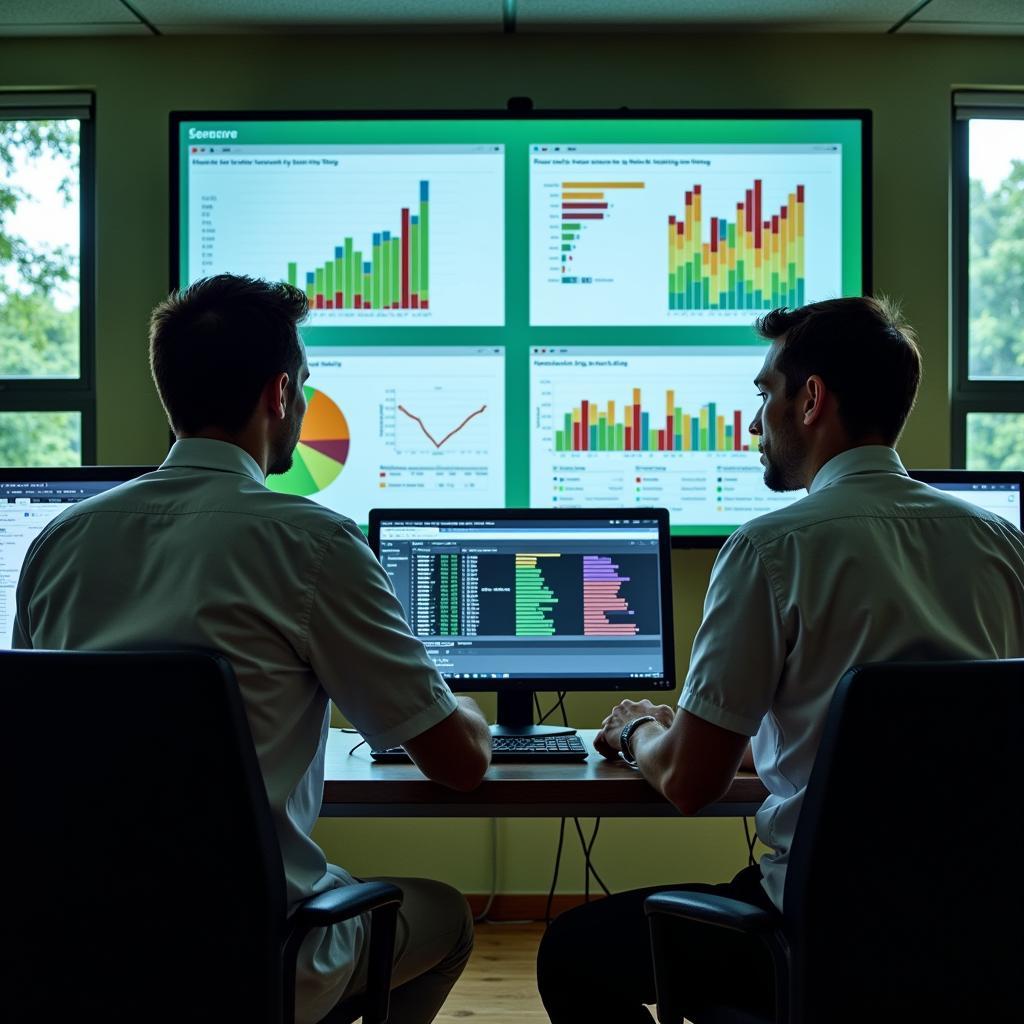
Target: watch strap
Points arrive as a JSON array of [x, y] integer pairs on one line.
[[627, 732]]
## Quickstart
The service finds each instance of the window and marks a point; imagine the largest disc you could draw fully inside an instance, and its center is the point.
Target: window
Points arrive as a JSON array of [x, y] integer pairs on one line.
[[47, 387], [988, 280]]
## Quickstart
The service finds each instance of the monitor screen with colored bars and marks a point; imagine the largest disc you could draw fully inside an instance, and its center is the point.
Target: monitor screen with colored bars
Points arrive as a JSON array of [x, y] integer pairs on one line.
[[548, 310]]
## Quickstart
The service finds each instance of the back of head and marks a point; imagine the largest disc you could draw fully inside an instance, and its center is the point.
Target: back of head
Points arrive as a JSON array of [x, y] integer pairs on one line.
[[862, 349], [214, 346]]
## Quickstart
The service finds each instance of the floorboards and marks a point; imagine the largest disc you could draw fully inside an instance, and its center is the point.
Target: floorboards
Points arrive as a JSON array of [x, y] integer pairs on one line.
[[500, 982]]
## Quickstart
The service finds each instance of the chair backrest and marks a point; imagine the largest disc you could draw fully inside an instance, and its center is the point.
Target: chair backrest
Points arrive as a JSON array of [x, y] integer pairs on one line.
[[142, 877], [903, 894]]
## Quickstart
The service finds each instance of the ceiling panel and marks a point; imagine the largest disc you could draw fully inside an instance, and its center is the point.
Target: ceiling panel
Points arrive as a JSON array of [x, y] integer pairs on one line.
[[989, 17], [647, 15], [67, 17], [191, 16]]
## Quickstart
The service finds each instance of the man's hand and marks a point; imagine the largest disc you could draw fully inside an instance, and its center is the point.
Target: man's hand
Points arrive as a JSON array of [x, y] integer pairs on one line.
[[607, 741]]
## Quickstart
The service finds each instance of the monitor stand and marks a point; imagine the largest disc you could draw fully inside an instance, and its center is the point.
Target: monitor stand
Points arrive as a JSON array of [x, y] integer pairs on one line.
[[515, 717]]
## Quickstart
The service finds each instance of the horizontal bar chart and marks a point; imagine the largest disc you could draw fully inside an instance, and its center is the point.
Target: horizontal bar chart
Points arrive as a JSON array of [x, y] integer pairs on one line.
[[583, 201]]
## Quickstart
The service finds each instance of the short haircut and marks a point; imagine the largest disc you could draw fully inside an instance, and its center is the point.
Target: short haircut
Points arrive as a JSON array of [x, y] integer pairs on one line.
[[214, 346], [862, 349]]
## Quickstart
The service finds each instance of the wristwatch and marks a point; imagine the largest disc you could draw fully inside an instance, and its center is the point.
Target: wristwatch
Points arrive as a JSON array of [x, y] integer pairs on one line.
[[627, 731]]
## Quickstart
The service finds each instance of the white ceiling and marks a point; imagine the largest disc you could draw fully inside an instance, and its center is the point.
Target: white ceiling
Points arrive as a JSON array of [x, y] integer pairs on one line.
[[200, 17]]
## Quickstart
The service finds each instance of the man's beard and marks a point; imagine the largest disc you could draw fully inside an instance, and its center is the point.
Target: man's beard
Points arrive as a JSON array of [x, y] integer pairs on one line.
[[281, 457], [782, 474]]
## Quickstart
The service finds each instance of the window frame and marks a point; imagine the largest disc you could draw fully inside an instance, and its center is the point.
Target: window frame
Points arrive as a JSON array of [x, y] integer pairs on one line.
[[71, 394], [967, 395]]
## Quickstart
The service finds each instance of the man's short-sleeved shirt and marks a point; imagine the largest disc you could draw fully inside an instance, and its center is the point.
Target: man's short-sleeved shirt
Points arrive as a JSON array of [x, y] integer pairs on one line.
[[201, 553], [869, 566]]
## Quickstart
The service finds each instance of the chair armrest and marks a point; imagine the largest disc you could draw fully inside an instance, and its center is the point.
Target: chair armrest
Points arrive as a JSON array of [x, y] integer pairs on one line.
[[381, 900], [340, 904], [715, 910]]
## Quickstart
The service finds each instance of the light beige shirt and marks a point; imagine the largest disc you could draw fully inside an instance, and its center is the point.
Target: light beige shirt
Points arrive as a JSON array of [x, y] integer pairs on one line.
[[869, 566], [200, 553]]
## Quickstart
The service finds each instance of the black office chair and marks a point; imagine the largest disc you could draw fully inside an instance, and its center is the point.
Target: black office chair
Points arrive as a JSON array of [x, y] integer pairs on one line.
[[903, 900], [142, 878]]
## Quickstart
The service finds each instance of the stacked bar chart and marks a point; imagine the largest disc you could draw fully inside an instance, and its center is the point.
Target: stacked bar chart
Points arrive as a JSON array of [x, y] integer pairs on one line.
[[534, 598], [754, 261], [591, 426], [602, 598], [583, 201], [394, 274]]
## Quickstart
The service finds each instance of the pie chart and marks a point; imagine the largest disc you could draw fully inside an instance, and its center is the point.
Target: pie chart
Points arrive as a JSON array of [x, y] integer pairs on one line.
[[322, 449]]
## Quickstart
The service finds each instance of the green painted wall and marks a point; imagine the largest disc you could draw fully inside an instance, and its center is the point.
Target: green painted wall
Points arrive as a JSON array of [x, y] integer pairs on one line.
[[905, 80]]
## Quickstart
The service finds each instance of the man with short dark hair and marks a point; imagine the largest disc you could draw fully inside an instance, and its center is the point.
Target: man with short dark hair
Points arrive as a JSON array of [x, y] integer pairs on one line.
[[869, 566], [201, 554]]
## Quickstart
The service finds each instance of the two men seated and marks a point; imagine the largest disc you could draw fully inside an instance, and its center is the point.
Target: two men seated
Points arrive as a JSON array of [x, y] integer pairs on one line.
[[869, 566]]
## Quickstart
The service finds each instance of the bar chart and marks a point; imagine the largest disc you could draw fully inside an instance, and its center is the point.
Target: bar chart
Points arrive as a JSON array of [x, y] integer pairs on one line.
[[535, 600], [376, 236], [605, 610], [682, 235], [590, 426], [750, 262], [582, 204], [396, 275], [652, 425]]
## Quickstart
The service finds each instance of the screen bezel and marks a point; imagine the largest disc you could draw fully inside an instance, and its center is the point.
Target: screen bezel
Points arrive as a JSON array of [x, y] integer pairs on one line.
[[36, 474], [559, 684], [973, 476], [519, 113]]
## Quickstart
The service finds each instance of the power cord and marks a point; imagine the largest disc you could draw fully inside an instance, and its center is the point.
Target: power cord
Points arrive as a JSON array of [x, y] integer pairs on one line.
[[482, 916], [751, 842], [554, 877], [589, 868], [559, 705]]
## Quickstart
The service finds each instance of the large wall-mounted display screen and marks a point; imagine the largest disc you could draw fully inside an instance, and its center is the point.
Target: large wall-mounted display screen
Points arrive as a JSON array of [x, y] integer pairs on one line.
[[536, 310]]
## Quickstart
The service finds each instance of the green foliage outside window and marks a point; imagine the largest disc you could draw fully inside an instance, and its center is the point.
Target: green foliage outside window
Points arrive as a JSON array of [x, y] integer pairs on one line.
[[39, 326], [40, 439], [996, 271], [995, 440]]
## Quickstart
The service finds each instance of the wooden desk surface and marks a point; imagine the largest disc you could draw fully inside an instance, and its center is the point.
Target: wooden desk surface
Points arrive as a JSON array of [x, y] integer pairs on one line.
[[357, 787]]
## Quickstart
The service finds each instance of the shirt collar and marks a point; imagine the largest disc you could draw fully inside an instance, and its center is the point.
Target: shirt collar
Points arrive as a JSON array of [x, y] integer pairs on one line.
[[205, 453], [869, 458]]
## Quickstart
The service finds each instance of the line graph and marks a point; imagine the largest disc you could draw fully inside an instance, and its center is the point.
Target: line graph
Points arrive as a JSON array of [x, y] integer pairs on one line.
[[451, 433]]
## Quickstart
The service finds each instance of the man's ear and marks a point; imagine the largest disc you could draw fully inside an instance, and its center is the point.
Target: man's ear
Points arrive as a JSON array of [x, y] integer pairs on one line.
[[814, 401], [276, 393]]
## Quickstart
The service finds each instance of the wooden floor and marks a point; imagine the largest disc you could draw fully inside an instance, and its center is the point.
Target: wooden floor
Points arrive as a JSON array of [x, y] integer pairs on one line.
[[500, 982]]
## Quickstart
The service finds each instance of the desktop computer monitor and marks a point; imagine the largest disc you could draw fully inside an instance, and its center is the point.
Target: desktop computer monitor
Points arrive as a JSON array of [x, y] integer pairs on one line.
[[995, 490], [521, 600], [31, 498]]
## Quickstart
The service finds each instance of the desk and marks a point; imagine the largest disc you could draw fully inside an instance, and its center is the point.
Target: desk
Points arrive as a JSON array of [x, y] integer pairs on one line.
[[355, 787]]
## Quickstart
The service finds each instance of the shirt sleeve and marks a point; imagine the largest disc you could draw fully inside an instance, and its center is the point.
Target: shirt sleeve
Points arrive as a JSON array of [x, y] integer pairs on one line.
[[20, 640], [740, 649], [360, 647]]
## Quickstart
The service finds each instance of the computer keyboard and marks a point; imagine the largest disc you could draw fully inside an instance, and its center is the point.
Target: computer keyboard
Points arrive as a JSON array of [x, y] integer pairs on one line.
[[512, 748]]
